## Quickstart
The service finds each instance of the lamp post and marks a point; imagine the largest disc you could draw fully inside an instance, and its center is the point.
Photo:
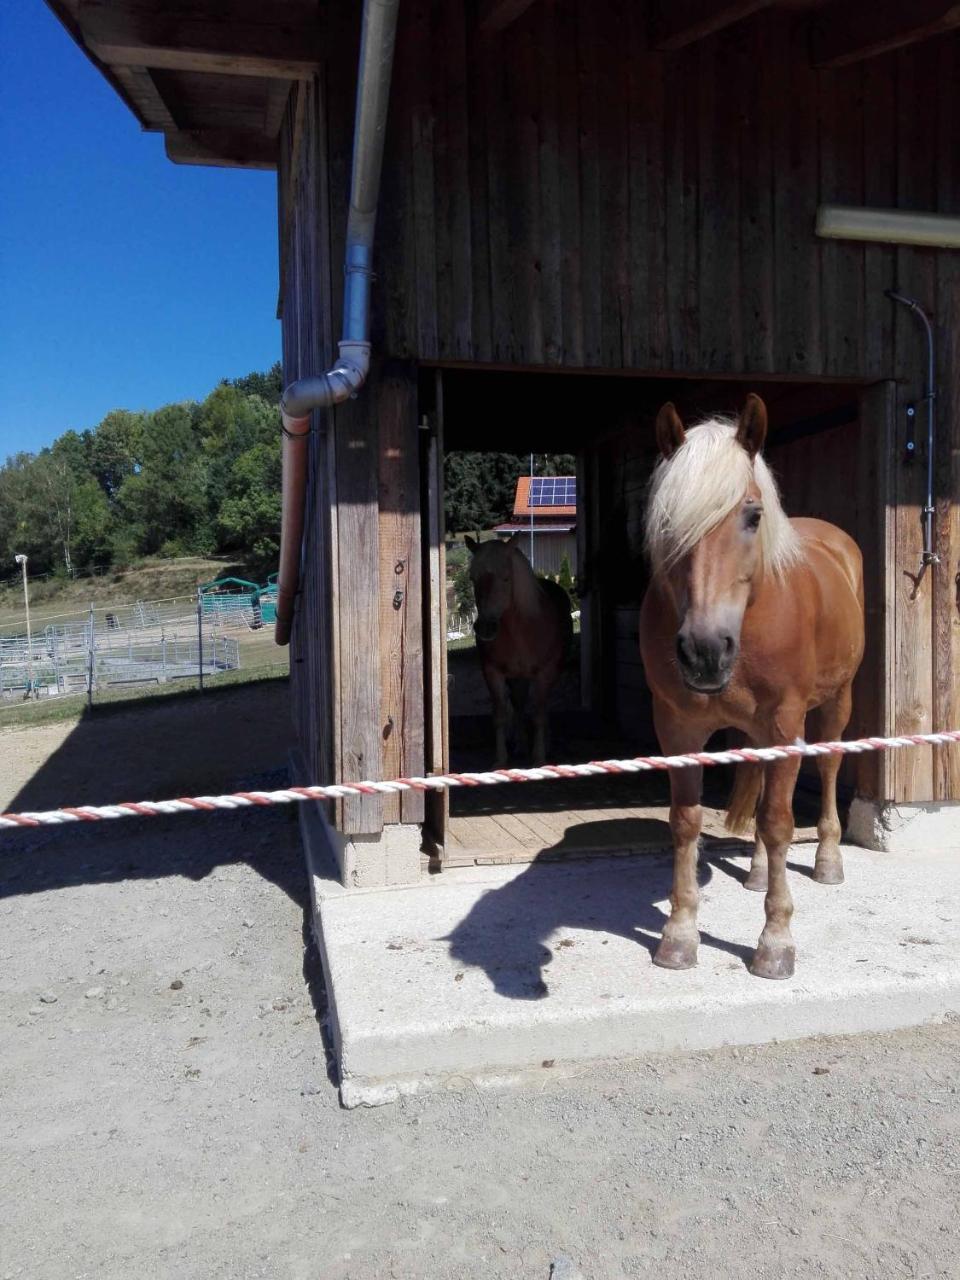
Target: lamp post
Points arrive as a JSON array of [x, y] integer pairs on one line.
[[22, 562]]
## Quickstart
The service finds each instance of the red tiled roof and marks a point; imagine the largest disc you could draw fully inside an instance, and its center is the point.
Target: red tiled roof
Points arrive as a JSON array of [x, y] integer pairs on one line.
[[521, 504]]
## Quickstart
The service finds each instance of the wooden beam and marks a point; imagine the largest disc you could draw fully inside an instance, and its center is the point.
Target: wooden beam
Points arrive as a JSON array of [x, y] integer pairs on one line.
[[231, 38], [497, 15], [222, 148], [852, 31], [140, 87], [277, 94], [677, 23]]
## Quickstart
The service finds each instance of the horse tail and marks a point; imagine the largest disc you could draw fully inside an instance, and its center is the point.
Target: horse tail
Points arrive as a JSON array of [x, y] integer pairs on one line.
[[745, 797]]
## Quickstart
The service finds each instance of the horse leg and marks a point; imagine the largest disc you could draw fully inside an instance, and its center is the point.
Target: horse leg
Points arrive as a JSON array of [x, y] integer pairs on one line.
[[499, 696], [540, 688], [678, 946], [775, 956], [519, 690], [757, 879], [834, 717]]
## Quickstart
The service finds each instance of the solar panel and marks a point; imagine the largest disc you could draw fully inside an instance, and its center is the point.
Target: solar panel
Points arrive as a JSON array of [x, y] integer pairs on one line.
[[553, 491]]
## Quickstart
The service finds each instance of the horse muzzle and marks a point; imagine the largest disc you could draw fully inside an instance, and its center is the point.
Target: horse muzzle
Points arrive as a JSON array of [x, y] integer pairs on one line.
[[706, 661], [486, 629]]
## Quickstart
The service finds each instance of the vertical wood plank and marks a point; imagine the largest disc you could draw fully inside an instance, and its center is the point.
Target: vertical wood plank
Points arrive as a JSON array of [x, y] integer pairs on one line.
[[875, 480], [568, 132], [757, 82], [841, 182], [401, 618], [503, 344], [588, 70], [879, 192], [795, 185], [946, 575], [916, 143], [721, 339], [681, 152], [454, 52], [613, 128], [357, 601], [525, 203], [481, 336], [551, 251], [424, 203]]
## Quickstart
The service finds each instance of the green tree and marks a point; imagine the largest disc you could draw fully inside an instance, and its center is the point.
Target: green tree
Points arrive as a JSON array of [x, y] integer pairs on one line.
[[249, 518]]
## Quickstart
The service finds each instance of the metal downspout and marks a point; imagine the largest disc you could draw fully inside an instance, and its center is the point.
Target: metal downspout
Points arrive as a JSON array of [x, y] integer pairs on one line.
[[349, 372], [929, 555]]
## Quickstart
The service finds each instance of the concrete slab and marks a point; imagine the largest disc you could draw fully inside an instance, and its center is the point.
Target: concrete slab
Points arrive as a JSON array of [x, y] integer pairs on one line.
[[488, 973]]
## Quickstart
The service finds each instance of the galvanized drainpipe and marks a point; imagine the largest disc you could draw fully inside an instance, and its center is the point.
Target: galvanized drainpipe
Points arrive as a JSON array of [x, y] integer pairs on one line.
[[929, 555], [348, 373]]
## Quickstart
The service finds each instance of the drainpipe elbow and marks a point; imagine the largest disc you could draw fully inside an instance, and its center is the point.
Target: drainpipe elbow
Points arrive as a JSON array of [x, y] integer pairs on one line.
[[340, 382]]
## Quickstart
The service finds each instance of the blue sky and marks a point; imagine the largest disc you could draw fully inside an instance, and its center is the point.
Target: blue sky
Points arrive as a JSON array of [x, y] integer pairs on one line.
[[125, 281]]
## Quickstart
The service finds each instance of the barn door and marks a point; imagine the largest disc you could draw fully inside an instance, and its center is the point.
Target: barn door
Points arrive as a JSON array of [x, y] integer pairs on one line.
[[435, 616]]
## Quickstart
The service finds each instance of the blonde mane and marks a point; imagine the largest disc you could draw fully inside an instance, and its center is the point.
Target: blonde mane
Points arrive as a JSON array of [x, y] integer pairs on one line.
[[699, 485]]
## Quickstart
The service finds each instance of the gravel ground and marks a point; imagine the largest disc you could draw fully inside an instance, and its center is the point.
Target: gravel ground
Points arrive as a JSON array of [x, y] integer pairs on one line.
[[167, 1108]]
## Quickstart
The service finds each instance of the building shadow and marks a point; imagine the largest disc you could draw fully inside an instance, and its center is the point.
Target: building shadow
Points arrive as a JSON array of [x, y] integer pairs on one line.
[[510, 931]]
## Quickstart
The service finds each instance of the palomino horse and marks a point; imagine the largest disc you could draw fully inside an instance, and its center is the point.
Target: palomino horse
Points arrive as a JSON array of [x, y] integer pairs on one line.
[[751, 621], [523, 632]]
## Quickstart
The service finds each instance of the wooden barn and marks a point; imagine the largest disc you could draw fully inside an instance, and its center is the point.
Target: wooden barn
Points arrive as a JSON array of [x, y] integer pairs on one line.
[[587, 207]]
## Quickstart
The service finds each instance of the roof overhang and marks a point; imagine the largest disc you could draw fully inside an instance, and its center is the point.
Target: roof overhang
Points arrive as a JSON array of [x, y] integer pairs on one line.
[[214, 76]]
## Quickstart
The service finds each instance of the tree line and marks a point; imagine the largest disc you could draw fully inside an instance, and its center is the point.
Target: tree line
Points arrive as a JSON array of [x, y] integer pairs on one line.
[[196, 478]]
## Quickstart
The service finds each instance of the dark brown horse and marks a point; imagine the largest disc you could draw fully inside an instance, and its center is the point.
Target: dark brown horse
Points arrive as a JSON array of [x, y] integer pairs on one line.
[[523, 631], [751, 621]]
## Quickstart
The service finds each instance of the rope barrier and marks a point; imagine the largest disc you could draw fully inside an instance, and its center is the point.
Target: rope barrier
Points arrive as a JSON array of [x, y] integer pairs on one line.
[[447, 781]]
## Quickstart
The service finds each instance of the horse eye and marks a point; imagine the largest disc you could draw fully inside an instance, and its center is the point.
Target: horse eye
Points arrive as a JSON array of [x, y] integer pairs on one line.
[[753, 519]]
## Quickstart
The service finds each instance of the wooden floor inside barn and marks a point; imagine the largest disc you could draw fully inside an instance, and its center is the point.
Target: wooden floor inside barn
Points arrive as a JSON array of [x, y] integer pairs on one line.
[[617, 814]]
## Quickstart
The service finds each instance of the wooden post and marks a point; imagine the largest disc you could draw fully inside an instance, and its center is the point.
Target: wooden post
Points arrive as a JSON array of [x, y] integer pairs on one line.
[[401, 620], [355, 602]]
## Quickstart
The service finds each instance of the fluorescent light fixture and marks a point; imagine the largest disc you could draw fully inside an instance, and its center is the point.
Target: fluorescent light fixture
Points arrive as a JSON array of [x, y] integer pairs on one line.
[[888, 226]]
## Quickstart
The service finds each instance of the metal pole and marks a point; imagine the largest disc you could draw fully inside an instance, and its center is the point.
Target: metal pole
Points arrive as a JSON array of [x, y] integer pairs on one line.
[[91, 644], [200, 636], [22, 562], [530, 505]]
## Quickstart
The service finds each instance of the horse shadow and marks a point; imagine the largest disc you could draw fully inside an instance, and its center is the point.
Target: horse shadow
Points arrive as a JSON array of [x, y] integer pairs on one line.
[[512, 930]]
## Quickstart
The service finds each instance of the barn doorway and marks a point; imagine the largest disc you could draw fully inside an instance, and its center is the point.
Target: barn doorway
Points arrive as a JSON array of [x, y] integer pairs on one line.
[[601, 707]]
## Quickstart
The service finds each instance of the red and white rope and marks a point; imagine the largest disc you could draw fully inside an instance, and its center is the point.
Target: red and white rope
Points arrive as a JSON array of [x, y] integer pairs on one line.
[[446, 781]]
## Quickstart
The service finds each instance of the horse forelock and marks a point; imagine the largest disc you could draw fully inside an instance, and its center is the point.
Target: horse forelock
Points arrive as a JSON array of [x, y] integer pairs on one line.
[[699, 485], [523, 579]]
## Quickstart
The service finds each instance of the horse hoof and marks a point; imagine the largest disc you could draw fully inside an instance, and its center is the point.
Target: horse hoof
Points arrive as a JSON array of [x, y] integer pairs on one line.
[[774, 962], [828, 872], [676, 953], [756, 881]]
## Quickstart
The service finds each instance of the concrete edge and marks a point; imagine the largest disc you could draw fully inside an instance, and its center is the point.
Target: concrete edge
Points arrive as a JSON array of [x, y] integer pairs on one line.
[[671, 1033], [904, 828]]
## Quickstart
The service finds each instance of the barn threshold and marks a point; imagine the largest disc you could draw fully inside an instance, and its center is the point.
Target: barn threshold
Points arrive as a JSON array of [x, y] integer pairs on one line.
[[493, 974]]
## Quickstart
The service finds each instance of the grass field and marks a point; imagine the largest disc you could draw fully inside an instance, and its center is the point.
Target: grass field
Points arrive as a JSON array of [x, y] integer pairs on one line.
[[130, 697]]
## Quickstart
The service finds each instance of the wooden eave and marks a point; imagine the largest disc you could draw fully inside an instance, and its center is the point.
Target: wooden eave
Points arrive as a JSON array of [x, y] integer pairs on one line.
[[214, 76]]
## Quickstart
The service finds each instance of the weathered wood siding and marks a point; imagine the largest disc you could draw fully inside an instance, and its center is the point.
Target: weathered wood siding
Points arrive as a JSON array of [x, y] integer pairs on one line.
[[356, 656], [558, 195]]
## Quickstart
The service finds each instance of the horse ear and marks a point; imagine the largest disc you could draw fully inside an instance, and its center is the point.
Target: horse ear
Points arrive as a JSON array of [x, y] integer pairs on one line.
[[670, 432], [472, 544], [752, 425]]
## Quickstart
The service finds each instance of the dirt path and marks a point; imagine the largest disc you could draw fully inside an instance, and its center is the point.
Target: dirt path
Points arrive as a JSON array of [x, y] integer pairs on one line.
[[167, 1110]]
